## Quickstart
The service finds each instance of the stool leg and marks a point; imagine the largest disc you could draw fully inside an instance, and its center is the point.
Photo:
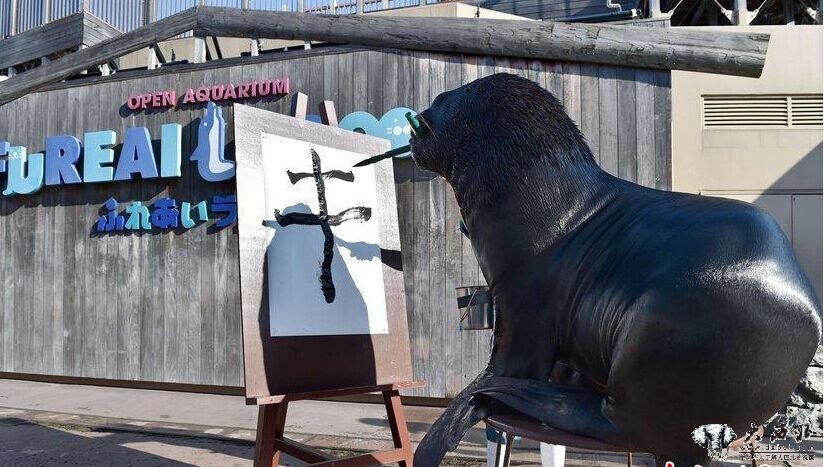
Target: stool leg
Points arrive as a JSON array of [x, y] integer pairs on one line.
[[552, 455], [629, 459], [497, 450], [510, 439]]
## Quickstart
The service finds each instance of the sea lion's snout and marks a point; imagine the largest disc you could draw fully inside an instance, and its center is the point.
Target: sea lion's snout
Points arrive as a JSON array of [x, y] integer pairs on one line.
[[433, 134]]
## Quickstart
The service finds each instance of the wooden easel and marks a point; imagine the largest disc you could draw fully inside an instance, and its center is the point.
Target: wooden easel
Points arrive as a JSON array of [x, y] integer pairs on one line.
[[271, 442], [270, 439]]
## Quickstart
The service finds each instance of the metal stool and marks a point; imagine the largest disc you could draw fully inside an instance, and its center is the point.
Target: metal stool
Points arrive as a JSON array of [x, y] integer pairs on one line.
[[529, 428]]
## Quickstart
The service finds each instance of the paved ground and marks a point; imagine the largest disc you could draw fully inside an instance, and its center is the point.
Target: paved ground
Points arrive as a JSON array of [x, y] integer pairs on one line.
[[45, 424]]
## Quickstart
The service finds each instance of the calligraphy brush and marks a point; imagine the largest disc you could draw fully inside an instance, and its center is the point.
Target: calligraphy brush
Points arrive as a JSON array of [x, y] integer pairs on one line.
[[417, 129]]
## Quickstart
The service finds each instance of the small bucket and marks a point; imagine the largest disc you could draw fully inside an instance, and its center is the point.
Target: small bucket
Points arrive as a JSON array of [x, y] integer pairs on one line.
[[475, 307]]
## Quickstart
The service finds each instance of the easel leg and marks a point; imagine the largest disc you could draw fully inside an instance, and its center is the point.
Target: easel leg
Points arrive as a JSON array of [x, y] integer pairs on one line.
[[271, 422], [397, 423]]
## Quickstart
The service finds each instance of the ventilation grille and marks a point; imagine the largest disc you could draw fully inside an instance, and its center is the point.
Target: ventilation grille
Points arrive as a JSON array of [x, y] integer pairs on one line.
[[762, 111]]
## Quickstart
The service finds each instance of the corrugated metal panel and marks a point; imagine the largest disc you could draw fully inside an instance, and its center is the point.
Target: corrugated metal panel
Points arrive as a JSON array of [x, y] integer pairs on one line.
[[274, 5], [125, 15], [553, 9], [29, 14], [5, 18], [226, 3], [61, 8], [169, 7]]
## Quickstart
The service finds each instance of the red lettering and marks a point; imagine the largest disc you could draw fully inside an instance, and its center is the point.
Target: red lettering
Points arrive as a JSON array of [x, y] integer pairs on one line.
[[230, 92], [133, 103], [243, 90], [264, 88], [156, 99], [280, 86], [169, 98], [217, 92], [145, 100], [253, 88], [189, 97], [202, 94]]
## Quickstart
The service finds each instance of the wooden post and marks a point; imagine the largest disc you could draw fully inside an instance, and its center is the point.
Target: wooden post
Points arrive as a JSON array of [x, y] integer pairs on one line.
[[271, 425], [358, 7], [397, 423], [300, 6]]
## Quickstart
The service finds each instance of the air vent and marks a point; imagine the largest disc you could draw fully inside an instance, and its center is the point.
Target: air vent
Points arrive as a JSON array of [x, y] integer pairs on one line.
[[762, 111], [806, 110]]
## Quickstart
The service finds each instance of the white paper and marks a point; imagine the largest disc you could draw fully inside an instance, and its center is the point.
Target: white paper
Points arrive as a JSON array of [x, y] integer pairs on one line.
[[296, 303]]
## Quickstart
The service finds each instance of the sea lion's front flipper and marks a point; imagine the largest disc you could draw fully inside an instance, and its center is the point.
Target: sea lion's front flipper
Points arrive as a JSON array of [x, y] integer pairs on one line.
[[575, 410], [462, 413]]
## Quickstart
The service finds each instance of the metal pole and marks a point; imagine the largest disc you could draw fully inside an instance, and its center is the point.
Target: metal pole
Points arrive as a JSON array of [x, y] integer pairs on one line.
[[818, 19], [46, 11], [13, 19], [789, 12], [655, 9], [359, 7], [739, 13]]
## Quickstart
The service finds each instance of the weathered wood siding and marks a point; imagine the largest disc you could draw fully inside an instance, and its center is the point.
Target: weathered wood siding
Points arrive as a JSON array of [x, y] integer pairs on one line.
[[165, 306]]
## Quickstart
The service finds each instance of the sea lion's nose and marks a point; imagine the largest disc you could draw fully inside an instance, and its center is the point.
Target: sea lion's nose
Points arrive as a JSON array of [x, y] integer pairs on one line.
[[414, 122]]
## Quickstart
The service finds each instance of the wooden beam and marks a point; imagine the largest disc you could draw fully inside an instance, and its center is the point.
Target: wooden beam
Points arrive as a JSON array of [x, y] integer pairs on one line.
[[103, 52], [732, 53], [57, 36]]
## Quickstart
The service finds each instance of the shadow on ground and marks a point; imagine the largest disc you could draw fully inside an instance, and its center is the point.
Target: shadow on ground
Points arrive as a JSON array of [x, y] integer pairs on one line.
[[23, 443]]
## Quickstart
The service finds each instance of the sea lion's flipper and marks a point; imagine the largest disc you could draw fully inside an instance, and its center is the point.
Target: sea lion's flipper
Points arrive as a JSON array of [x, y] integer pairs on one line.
[[575, 410], [461, 414]]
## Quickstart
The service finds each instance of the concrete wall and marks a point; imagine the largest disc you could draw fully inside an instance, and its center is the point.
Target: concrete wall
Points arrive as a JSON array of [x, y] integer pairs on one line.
[[777, 168]]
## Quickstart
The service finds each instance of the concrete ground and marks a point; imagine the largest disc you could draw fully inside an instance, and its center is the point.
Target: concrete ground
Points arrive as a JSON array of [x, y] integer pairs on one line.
[[55, 424]]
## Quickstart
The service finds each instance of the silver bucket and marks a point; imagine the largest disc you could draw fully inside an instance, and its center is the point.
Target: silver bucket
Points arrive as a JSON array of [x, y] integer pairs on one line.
[[475, 307]]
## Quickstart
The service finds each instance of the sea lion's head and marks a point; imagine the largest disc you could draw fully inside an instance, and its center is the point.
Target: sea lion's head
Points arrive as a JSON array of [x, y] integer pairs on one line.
[[494, 128]]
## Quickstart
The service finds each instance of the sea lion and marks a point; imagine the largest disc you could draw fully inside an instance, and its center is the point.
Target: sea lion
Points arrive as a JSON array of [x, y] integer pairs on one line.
[[677, 310]]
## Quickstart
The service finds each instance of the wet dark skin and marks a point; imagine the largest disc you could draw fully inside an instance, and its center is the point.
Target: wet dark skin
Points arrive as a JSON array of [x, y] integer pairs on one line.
[[675, 310]]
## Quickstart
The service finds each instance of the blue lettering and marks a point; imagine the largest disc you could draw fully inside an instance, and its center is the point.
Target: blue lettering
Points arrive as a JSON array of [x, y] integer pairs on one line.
[[98, 152], [62, 153], [170, 149], [136, 156], [19, 181]]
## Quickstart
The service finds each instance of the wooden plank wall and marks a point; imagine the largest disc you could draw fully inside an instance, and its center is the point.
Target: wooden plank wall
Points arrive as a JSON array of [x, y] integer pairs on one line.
[[165, 306]]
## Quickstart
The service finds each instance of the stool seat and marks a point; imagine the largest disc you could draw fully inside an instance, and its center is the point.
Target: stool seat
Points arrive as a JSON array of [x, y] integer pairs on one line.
[[530, 428]]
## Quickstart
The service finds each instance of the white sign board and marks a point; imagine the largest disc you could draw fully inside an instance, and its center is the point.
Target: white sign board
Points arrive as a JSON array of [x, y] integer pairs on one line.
[[295, 252]]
